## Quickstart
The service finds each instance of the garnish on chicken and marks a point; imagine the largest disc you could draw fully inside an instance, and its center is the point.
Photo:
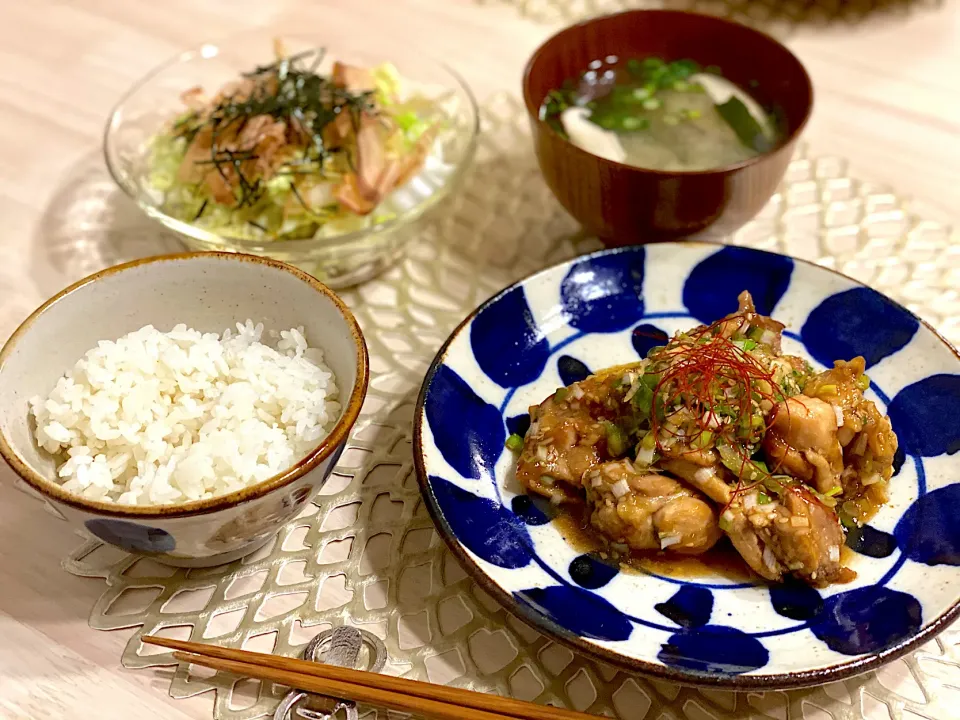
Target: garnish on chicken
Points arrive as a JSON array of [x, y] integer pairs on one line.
[[719, 431]]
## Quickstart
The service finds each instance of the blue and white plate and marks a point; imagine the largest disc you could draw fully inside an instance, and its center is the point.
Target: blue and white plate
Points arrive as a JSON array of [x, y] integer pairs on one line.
[[609, 308]]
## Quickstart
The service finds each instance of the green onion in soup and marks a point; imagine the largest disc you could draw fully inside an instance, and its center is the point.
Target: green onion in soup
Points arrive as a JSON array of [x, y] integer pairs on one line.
[[672, 116]]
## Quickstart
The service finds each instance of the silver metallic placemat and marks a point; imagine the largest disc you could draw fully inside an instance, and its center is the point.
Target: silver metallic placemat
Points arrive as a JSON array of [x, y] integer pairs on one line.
[[366, 553]]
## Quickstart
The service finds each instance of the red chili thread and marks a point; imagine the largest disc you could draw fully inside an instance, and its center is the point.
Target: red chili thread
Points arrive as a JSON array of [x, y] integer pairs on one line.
[[701, 367]]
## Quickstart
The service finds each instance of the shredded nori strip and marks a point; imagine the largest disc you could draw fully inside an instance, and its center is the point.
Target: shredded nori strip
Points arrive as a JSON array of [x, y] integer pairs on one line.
[[298, 96]]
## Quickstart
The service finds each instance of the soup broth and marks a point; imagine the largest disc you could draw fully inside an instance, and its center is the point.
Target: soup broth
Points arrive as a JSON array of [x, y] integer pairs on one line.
[[657, 115]]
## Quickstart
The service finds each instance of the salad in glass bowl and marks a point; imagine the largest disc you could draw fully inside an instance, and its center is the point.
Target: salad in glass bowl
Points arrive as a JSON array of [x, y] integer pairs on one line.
[[323, 161]]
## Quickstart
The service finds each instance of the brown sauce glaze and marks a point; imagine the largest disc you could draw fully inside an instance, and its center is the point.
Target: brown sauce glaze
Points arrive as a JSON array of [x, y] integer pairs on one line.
[[720, 561]]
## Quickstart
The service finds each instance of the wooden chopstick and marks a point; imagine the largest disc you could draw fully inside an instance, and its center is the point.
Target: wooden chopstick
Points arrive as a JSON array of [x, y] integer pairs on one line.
[[391, 692], [360, 693]]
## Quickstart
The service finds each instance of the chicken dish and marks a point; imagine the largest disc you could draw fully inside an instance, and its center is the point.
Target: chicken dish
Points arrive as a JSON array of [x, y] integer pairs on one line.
[[717, 434]]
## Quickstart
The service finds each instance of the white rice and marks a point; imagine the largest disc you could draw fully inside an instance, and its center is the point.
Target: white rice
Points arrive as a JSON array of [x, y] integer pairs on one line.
[[164, 418]]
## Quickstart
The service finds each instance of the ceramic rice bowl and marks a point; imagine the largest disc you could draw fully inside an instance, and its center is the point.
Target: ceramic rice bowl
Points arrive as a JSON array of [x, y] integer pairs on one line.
[[208, 292]]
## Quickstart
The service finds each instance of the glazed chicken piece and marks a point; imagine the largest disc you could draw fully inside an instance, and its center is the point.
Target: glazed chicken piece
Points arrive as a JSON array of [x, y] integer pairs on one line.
[[569, 435], [866, 436], [362, 191], [746, 316], [673, 448], [708, 479], [354, 79], [377, 175], [802, 441], [793, 535], [649, 511], [264, 138]]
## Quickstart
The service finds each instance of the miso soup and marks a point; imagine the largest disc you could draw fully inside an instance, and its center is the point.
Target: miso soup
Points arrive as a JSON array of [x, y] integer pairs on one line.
[[673, 116]]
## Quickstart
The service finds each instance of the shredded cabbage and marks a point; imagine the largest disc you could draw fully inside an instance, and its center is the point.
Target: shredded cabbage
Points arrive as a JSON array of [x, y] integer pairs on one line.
[[167, 154], [284, 211], [388, 83]]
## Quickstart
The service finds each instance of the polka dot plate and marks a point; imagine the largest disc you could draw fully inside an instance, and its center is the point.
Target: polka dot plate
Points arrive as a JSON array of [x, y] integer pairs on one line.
[[712, 627]]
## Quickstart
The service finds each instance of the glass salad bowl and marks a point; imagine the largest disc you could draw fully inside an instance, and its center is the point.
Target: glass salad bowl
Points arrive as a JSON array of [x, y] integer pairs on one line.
[[334, 244]]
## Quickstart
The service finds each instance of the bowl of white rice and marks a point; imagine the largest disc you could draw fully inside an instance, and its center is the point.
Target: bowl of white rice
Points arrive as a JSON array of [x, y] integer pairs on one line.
[[184, 406]]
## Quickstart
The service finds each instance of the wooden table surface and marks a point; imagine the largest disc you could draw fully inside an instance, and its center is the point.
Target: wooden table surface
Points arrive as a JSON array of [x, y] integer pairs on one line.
[[887, 99]]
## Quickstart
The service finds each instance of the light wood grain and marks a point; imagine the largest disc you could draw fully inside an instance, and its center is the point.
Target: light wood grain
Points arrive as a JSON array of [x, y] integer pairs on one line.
[[888, 98]]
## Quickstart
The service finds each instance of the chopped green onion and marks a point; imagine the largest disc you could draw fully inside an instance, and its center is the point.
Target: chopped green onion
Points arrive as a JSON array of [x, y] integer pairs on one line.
[[747, 129], [660, 407], [863, 382], [652, 63], [751, 422], [773, 483], [621, 96], [617, 443], [641, 93], [726, 521], [634, 67], [755, 333], [834, 491], [555, 102], [755, 470], [851, 508], [763, 498], [607, 122], [661, 77], [408, 120], [642, 401], [745, 345], [649, 441], [671, 119], [827, 390], [651, 380], [684, 68], [630, 123], [681, 86], [731, 459], [703, 440], [652, 103], [561, 394], [830, 502], [725, 411], [514, 443]]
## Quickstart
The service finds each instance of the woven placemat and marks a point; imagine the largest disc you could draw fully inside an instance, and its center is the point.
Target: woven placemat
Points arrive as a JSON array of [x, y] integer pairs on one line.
[[366, 552], [777, 17]]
